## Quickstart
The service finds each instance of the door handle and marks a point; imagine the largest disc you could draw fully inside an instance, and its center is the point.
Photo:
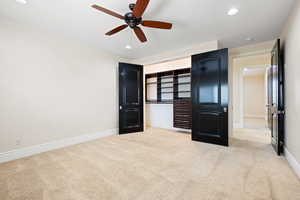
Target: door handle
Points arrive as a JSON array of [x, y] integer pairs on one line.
[[121, 107], [279, 112], [225, 109]]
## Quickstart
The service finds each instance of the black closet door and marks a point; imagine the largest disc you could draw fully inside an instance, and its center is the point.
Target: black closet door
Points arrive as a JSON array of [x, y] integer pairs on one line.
[[276, 94], [210, 97], [130, 98]]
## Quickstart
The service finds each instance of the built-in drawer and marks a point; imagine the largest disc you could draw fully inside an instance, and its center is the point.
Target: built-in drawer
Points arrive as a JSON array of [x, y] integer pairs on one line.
[[183, 113]]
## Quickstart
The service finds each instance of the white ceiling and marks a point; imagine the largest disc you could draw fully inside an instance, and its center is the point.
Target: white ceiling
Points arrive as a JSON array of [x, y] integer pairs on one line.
[[195, 21]]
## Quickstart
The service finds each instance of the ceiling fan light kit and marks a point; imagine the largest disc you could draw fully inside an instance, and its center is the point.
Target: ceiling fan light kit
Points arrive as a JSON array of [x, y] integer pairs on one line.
[[134, 19]]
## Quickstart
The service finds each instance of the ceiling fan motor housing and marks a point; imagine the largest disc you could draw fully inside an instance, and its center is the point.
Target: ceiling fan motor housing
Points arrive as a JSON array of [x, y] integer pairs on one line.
[[131, 20], [131, 6]]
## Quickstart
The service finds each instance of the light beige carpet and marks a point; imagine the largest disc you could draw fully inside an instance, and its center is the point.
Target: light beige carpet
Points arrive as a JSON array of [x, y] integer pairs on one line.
[[254, 135], [156, 165]]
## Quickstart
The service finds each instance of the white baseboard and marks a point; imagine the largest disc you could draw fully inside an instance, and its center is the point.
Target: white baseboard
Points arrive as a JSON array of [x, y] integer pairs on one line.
[[292, 161], [40, 148], [182, 130]]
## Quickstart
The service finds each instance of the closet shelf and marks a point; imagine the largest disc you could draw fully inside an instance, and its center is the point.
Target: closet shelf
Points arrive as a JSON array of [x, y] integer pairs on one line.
[[182, 83], [175, 92], [166, 82], [167, 92], [171, 87], [159, 102], [176, 76], [184, 91], [150, 83], [169, 82]]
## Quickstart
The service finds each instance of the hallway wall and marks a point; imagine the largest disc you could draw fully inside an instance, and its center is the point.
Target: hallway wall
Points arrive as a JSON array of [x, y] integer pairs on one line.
[[255, 101], [291, 40], [254, 96]]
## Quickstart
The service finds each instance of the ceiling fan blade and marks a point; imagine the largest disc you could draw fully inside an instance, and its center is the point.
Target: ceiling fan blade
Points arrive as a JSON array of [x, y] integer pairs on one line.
[[140, 34], [157, 24], [116, 30], [109, 12], [140, 8]]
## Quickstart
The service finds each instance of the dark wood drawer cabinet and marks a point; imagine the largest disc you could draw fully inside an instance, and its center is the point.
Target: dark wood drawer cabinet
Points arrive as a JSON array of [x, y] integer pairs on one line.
[[183, 113]]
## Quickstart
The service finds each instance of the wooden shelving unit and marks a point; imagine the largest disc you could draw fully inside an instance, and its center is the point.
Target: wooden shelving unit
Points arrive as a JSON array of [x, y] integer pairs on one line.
[[168, 84], [172, 87]]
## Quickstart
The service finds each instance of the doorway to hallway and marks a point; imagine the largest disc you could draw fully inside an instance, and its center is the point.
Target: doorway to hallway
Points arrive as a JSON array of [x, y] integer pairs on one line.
[[250, 97]]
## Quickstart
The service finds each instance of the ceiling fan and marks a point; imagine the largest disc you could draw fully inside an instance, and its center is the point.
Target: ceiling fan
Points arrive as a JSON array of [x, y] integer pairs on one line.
[[134, 18]]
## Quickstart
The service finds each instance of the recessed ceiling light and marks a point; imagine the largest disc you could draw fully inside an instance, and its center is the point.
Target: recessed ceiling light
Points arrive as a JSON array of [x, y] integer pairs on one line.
[[233, 11], [21, 1], [128, 47], [249, 39]]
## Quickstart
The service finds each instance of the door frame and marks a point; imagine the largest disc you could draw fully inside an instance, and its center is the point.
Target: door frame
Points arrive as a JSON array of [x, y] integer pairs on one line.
[[232, 56], [241, 90]]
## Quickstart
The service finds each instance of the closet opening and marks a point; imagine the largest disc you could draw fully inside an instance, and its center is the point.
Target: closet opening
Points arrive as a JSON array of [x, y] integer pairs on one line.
[[168, 95]]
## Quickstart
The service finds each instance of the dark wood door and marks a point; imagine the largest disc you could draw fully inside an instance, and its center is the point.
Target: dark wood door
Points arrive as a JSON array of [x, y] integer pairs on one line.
[[130, 98], [210, 97], [277, 112]]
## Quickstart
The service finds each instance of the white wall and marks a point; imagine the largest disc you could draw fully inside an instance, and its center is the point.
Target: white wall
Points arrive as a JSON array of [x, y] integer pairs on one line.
[[178, 54], [52, 88], [181, 63], [254, 96], [159, 115], [291, 40], [254, 99]]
